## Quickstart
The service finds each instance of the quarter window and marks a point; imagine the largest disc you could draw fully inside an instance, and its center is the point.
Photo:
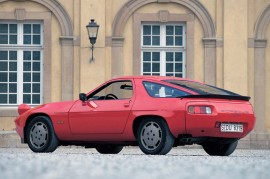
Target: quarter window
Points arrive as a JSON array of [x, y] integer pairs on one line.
[[162, 91], [163, 50], [20, 63]]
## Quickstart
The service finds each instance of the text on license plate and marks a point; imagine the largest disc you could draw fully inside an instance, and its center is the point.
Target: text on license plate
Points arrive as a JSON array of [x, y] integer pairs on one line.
[[225, 127]]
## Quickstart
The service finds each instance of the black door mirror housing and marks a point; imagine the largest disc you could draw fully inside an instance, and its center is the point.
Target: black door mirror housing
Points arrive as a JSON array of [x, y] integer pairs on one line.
[[83, 97]]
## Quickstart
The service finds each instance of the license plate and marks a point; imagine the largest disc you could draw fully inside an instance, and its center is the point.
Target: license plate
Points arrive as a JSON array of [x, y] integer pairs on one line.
[[225, 127]]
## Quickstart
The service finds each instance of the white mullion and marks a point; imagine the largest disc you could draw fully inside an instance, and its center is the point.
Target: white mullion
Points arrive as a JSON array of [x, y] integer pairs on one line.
[[163, 63], [20, 76], [41, 77]]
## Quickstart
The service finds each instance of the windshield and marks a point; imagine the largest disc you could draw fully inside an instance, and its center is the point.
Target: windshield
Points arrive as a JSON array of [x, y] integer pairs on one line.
[[199, 88]]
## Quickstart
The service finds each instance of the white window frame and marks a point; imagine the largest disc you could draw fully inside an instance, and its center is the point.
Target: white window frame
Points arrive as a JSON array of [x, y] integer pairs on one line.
[[20, 47], [163, 48]]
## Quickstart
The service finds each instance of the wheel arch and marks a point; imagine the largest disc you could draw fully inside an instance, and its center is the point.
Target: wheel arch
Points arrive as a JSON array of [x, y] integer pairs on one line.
[[139, 119], [29, 119]]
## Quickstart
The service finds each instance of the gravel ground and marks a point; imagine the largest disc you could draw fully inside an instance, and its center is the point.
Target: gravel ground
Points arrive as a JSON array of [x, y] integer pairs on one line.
[[73, 162]]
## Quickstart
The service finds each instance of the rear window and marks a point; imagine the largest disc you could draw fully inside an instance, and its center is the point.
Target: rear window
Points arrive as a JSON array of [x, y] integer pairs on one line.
[[161, 91], [199, 88]]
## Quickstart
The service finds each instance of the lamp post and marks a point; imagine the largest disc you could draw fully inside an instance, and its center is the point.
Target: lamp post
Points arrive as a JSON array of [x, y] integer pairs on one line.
[[92, 29]]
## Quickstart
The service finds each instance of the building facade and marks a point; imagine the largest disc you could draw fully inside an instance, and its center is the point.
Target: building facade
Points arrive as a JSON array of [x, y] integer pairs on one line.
[[45, 51]]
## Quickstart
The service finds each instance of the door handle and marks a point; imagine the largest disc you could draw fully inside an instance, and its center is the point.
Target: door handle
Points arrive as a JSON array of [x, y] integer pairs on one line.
[[127, 104]]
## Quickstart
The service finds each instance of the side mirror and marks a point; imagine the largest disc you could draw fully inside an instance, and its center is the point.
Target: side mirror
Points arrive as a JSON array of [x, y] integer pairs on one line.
[[83, 97]]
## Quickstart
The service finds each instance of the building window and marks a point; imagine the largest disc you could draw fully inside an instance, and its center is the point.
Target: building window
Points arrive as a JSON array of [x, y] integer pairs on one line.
[[20, 63], [163, 50]]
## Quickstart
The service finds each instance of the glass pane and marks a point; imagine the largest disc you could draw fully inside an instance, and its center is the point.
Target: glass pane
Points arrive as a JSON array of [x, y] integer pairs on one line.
[[3, 39], [27, 98], [12, 66], [13, 88], [155, 30], [179, 75], [27, 28], [26, 77], [36, 66], [3, 99], [169, 67], [36, 98], [27, 55], [26, 66], [146, 56], [12, 99], [169, 30], [155, 67], [13, 28], [178, 30], [146, 30], [12, 77], [155, 74], [3, 28], [36, 39], [13, 39], [178, 56], [36, 55], [178, 67], [3, 55], [148, 74], [36, 77], [169, 74], [155, 56], [155, 40], [179, 40], [27, 88], [146, 67], [36, 88], [146, 40], [36, 28], [3, 88], [3, 77], [27, 39], [13, 55], [169, 40], [3, 66], [169, 56]]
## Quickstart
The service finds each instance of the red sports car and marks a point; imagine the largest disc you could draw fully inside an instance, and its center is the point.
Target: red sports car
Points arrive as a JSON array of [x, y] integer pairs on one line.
[[156, 113]]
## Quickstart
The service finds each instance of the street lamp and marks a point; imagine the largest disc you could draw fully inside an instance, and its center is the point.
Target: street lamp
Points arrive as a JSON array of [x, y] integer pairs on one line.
[[92, 29]]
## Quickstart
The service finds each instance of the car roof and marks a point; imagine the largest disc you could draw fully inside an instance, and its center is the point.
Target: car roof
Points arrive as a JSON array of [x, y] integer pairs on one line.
[[157, 78]]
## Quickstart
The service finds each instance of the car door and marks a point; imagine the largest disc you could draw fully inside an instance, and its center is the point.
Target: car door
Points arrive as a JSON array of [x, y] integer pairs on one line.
[[105, 112]]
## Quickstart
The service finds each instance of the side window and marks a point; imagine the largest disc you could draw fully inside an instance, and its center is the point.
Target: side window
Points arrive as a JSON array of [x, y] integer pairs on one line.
[[115, 90], [161, 91]]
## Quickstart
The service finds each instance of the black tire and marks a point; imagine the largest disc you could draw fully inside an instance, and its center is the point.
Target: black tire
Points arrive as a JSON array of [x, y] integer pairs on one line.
[[109, 149], [40, 135], [219, 149], [154, 137]]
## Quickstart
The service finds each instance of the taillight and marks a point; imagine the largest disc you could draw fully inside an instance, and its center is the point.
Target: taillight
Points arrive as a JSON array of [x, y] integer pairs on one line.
[[199, 110]]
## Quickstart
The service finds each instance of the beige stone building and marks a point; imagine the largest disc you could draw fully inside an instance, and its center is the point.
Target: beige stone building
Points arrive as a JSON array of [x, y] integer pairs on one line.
[[45, 51]]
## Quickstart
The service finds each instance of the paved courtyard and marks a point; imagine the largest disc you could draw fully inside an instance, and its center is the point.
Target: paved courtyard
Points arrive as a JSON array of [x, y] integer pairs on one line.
[[75, 163]]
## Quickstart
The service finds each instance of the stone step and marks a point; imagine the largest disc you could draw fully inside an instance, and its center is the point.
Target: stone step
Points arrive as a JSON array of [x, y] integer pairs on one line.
[[10, 139]]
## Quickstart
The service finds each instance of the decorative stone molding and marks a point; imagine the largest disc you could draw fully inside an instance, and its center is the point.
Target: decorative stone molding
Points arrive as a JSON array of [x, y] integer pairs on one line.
[[195, 6], [20, 14], [262, 23], [66, 40], [163, 16], [260, 43], [209, 42], [117, 41]]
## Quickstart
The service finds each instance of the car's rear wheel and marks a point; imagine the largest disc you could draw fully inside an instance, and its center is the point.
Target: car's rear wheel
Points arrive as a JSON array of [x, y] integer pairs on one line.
[[40, 135], [109, 149], [220, 149], [154, 137]]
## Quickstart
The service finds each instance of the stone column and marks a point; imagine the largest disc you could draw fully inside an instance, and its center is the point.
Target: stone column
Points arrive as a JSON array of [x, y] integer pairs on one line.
[[117, 56], [67, 67], [259, 138], [210, 60]]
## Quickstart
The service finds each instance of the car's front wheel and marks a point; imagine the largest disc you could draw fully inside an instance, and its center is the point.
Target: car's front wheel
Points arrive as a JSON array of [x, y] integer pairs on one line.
[[40, 135], [154, 137], [109, 149], [220, 149]]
